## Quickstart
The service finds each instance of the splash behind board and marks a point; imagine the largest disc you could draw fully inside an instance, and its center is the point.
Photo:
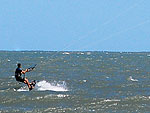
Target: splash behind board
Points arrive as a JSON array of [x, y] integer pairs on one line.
[[46, 86]]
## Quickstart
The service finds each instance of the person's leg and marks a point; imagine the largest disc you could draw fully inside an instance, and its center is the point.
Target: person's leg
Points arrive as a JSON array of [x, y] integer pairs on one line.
[[33, 82], [27, 82]]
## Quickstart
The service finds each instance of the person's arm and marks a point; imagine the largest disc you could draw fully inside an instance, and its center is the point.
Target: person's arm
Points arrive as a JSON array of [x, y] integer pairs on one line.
[[23, 72]]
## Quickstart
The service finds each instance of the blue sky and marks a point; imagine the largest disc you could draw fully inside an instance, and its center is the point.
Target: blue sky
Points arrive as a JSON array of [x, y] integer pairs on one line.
[[75, 25]]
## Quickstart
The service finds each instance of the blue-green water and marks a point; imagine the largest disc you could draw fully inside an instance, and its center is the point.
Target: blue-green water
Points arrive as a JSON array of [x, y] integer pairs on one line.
[[82, 82]]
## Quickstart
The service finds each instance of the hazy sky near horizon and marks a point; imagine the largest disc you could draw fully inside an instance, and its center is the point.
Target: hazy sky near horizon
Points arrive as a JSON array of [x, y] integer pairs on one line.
[[75, 25]]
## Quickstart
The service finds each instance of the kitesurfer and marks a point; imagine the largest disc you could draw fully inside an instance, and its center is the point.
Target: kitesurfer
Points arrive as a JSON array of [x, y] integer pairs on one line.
[[19, 78]]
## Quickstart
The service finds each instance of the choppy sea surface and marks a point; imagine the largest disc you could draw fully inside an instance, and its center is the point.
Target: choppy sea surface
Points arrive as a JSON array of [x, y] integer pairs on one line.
[[76, 82]]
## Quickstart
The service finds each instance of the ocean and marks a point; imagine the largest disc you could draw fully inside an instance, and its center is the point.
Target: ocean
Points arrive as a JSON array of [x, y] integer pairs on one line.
[[76, 82]]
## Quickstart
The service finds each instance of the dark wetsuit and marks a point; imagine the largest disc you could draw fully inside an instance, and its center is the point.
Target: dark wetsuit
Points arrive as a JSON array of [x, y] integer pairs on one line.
[[18, 75]]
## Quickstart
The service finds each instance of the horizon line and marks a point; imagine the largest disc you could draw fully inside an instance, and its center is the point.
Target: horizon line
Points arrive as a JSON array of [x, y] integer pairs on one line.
[[72, 51]]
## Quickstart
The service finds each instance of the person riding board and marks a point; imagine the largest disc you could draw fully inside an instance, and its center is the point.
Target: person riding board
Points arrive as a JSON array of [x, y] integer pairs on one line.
[[19, 78]]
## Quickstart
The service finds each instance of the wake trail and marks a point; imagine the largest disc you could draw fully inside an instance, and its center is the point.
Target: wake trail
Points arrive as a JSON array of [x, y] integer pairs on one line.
[[46, 86], [43, 86]]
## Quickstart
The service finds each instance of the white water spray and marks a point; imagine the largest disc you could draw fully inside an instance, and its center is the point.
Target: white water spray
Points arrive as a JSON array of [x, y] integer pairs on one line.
[[43, 86], [46, 86]]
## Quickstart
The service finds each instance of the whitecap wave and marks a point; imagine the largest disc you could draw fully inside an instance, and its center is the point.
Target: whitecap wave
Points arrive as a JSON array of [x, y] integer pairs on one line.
[[111, 100], [66, 53], [134, 80]]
